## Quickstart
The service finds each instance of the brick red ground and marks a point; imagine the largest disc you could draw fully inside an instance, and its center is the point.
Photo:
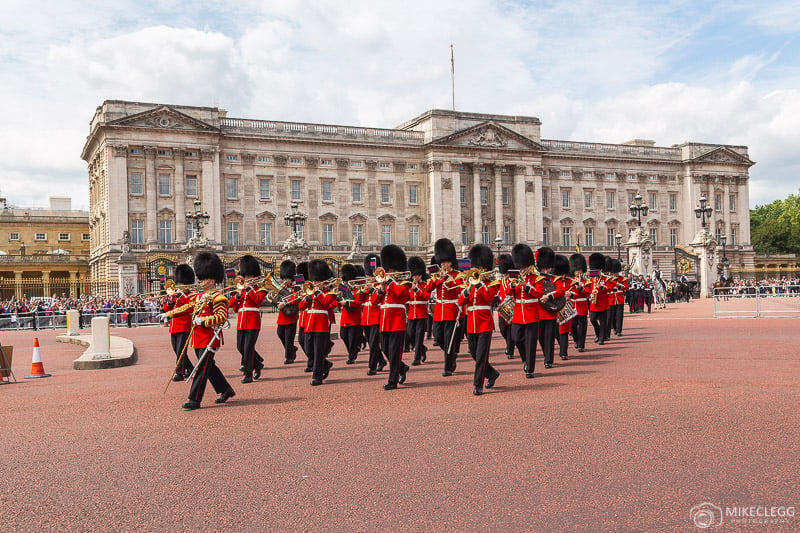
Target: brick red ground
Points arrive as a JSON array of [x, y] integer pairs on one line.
[[683, 409]]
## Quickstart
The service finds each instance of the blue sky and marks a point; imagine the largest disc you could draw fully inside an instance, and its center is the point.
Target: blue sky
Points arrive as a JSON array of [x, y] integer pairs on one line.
[[671, 71]]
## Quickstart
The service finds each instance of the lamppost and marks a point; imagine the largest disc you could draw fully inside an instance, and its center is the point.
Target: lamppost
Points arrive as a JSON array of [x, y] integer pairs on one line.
[[703, 210], [618, 238], [295, 220], [497, 242], [639, 209], [197, 219]]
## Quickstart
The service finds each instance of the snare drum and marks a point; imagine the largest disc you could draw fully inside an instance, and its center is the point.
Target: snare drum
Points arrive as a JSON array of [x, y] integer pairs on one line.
[[431, 306], [566, 313], [506, 309]]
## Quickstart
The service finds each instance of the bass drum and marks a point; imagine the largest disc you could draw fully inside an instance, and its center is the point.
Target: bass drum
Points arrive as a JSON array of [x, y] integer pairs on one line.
[[566, 313], [506, 309]]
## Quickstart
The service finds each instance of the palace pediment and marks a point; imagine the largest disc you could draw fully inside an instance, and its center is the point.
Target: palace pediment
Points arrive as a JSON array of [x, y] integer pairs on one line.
[[723, 155], [488, 135], [164, 117]]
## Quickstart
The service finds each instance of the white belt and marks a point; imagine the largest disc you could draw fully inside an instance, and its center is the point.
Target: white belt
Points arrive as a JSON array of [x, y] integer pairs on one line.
[[580, 300], [366, 304], [446, 302], [527, 301], [393, 306], [317, 311], [418, 302], [479, 308], [243, 309]]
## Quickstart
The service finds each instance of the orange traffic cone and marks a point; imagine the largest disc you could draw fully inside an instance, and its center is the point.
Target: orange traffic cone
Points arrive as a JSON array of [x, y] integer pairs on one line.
[[37, 368]]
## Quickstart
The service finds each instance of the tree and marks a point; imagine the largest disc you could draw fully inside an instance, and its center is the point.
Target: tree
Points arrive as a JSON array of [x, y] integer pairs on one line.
[[775, 228]]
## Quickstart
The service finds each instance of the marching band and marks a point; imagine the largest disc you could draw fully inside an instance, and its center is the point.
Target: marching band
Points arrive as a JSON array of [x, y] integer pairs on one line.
[[540, 298]]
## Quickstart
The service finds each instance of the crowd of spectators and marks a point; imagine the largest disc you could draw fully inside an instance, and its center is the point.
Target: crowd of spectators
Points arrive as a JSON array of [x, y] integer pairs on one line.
[[50, 312], [783, 285]]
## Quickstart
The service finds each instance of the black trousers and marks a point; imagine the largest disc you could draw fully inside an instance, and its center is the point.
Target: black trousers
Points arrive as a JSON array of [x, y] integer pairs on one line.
[[373, 339], [429, 327], [619, 313], [351, 336], [443, 331], [505, 331], [610, 317], [548, 329], [563, 344], [479, 345], [525, 338], [286, 333], [302, 340], [246, 344], [579, 325], [179, 340], [416, 331], [318, 345], [599, 322], [207, 371], [392, 344]]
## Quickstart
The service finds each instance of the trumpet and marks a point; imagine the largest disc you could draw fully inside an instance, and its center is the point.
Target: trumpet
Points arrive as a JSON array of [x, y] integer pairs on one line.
[[308, 289], [381, 275], [475, 276], [169, 287]]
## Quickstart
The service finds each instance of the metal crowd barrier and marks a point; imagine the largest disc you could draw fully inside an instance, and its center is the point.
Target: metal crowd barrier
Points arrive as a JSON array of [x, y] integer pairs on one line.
[[778, 301], [118, 318]]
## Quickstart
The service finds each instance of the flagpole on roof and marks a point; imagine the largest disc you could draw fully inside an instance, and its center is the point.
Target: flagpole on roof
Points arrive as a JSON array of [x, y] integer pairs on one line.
[[453, 76]]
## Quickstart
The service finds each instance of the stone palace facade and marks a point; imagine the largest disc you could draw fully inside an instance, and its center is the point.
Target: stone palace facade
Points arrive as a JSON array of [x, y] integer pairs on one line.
[[467, 176]]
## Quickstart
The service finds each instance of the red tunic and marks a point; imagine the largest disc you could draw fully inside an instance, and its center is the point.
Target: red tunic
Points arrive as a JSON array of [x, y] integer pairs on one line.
[[526, 301], [351, 313], [503, 292], [620, 288], [581, 298], [597, 279], [247, 304], [370, 314], [283, 318], [479, 307], [447, 292], [180, 322], [318, 312], [393, 299], [544, 314], [563, 284], [214, 313], [418, 304]]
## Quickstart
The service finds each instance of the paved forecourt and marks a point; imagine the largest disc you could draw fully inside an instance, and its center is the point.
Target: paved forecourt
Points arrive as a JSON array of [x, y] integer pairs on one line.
[[683, 409]]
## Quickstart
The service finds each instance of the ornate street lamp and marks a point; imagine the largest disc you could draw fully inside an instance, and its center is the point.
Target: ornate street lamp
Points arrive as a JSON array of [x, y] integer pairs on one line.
[[295, 220], [639, 209], [618, 238], [197, 219], [703, 210], [722, 240]]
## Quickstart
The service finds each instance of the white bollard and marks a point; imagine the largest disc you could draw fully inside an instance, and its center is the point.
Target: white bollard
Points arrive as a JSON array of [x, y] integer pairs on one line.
[[73, 322], [101, 338]]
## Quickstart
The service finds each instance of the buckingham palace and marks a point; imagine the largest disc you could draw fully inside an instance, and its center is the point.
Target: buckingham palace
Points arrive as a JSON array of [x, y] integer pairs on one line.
[[471, 177]]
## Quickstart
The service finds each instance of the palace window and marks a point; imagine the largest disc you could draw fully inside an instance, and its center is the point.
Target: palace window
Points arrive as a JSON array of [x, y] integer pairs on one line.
[[355, 164], [327, 234], [463, 191], [233, 233], [565, 198], [464, 235], [358, 233], [611, 237], [545, 194], [163, 152], [327, 191], [631, 197], [566, 236], [13, 236], [485, 234], [589, 236], [385, 165], [232, 188], [610, 199], [137, 231], [85, 236], [565, 173], [506, 234], [484, 195], [189, 230], [587, 199], [264, 189], [652, 201], [189, 154], [732, 203], [412, 194], [718, 234], [295, 161], [654, 235], [411, 166], [384, 193], [506, 196], [326, 162], [733, 236], [191, 186], [136, 151], [263, 159], [163, 184], [673, 236], [673, 201], [296, 191], [165, 231], [356, 193], [611, 176], [265, 234], [231, 157], [545, 235], [40, 237], [386, 234], [136, 183], [413, 235], [718, 203], [63, 236]]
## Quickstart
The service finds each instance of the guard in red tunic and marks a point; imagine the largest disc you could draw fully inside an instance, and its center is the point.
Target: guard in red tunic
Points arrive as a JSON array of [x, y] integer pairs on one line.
[[504, 264], [579, 296], [210, 312], [598, 297], [478, 297], [446, 313], [288, 313], [564, 284], [548, 327], [302, 270], [318, 307], [246, 302], [371, 317], [181, 323], [611, 285], [620, 289], [525, 322], [393, 295], [350, 324], [418, 308]]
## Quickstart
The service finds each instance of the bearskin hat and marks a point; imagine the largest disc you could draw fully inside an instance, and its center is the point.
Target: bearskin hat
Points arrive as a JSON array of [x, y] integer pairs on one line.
[[416, 265], [597, 261], [394, 258], [616, 266], [522, 255], [609, 261], [207, 265], [302, 270], [368, 259], [545, 258], [560, 265], [505, 263], [348, 272], [318, 270], [445, 251], [481, 256], [249, 267], [360, 271], [184, 275], [577, 262], [288, 269]]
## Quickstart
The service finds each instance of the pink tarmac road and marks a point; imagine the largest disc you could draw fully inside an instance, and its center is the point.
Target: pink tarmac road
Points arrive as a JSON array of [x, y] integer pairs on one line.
[[683, 409]]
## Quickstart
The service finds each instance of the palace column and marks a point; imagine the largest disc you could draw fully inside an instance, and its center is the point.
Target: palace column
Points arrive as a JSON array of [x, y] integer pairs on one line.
[[211, 195], [521, 227], [179, 198], [249, 195], [436, 206], [476, 203], [150, 195], [117, 190], [498, 201], [454, 227]]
